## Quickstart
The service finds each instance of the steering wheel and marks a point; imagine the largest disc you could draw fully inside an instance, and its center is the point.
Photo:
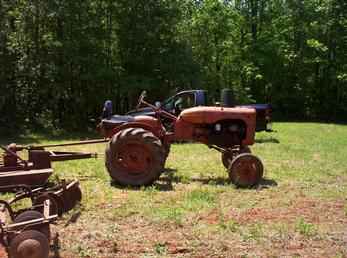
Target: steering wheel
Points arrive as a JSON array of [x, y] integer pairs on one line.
[[139, 102]]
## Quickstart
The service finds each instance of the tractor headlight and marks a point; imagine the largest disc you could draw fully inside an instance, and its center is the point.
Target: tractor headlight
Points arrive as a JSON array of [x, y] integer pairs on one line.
[[218, 127]]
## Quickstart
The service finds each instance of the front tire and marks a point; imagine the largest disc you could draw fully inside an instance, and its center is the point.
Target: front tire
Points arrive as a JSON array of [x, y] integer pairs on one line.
[[246, 170], [135, 157], [229, 155]]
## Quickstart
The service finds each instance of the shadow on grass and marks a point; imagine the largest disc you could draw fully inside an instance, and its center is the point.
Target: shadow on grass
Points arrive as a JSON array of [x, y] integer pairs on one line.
[[163, 184], [55, 247], [212, 180], [267, 183], [267, 140], [73, 219]]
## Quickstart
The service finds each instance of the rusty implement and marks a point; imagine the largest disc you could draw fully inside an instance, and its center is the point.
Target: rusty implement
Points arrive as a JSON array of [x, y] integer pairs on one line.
[[62, 196], [28, 234], [36, 170], [65, 196]]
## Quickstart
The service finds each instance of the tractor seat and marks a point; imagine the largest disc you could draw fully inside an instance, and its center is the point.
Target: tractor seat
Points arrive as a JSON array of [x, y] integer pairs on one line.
[[116, 121]]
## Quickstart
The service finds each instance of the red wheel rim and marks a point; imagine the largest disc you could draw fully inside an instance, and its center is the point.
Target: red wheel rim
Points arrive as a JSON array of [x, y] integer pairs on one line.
[[135, 158], [246, 171]]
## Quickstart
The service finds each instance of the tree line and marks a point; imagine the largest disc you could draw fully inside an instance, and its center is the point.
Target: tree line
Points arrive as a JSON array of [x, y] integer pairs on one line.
[[60, 59]]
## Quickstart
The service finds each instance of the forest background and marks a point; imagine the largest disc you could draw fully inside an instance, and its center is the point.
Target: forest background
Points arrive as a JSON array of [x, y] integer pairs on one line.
[[61, 59]]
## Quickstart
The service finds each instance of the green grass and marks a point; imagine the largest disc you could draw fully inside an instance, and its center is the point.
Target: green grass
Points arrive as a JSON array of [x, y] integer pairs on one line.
[[193, 210], [306, 229]]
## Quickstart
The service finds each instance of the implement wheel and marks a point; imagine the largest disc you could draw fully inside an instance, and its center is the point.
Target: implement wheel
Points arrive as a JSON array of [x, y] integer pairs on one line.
[[32, 215], [135, 157], [29, 244], [228, 156], [246, 170]]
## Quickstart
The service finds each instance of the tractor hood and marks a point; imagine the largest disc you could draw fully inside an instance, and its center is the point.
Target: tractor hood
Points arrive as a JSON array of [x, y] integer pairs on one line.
[[208, 115]]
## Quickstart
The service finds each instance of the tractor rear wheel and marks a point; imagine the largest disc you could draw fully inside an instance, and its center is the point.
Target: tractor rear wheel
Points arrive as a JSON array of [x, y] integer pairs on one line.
[[246, 170], [135, 157], [229, 155]]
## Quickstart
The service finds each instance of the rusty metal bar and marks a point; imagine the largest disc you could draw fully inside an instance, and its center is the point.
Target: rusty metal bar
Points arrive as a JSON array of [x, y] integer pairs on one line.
[[32, 222], [64, 155], [162, 112], [65, 144]]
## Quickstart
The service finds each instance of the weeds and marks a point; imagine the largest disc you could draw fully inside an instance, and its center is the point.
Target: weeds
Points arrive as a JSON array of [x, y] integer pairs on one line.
[[160, 248], [305, 229], [171, 214], [255, 232], [230, 226]]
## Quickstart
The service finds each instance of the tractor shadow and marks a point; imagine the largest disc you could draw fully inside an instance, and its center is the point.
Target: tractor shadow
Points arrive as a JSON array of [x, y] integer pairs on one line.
[[211, 180], [267, 140], [164, 183], [265, 183], [169, 177]]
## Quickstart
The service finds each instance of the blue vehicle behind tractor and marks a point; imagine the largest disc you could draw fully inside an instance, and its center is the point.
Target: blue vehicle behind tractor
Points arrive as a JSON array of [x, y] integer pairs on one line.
[[193, 98]]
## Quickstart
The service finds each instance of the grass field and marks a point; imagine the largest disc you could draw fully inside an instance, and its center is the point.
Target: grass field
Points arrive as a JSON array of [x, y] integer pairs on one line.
[[299, 210]]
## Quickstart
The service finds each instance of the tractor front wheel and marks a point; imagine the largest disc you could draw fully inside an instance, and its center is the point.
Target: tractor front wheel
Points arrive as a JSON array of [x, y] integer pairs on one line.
[[246, 170], [135, 157], [229, 155]]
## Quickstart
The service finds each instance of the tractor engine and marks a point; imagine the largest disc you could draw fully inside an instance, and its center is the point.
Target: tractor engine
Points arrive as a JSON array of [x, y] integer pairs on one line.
[[219, 126], [227, 134], [223, 134]]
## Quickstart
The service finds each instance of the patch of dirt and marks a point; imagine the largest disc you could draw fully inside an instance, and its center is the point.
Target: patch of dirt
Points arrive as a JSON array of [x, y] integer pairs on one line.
[[311, 210], [146, 237]]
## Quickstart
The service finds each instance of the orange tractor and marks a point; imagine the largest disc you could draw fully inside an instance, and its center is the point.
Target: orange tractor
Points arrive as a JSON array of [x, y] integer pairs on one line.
[[139, 146]]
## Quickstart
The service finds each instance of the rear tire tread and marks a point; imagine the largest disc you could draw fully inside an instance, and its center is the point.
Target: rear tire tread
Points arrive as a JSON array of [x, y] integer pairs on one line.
[[145, 137]]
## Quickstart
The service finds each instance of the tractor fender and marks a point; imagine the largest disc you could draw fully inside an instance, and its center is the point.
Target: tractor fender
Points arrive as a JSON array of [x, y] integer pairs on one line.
[[157, 131]]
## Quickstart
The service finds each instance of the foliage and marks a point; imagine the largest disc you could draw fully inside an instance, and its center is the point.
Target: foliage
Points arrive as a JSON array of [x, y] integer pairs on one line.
[[59, 60]]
